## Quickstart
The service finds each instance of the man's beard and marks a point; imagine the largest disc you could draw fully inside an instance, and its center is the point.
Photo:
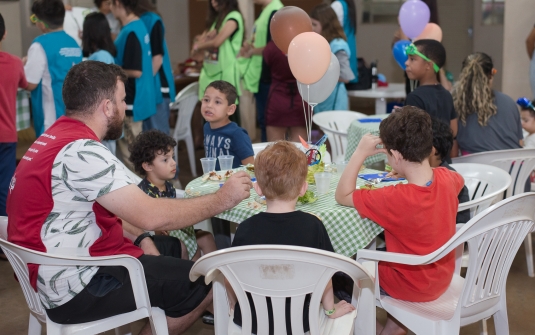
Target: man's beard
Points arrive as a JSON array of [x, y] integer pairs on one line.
[[115, 126]]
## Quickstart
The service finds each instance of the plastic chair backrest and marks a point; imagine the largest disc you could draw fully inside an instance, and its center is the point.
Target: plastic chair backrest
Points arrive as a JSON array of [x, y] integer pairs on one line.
[[21, 270], [517, 162], [335, 125], [279, 272], [185, 101], [485, 183]]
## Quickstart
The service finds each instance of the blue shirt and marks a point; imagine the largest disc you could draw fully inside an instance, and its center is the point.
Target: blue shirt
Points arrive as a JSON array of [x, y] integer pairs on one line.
[[227, 140], [102, 56]]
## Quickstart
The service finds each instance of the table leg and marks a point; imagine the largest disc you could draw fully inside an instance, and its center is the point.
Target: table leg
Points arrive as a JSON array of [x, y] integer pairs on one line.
[[380, 106]]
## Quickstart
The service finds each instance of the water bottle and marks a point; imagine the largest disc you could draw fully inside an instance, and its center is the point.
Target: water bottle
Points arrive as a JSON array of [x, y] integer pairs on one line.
[[374, 74]]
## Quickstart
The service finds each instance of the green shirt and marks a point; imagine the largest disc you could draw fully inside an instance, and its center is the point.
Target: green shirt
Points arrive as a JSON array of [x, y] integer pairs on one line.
[[251, 68], [220, 63]]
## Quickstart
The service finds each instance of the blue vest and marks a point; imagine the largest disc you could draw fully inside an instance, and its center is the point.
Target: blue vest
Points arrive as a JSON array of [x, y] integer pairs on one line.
[[62, 52], [338, 99], [144, 106], [150, 19], [351, 41]]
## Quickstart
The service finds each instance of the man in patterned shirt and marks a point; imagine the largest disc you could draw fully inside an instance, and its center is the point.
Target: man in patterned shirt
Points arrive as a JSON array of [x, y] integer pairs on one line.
[[67, 195]]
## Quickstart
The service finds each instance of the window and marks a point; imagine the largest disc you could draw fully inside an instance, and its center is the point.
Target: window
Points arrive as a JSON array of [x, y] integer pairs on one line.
[[381, 11], [492, 12]]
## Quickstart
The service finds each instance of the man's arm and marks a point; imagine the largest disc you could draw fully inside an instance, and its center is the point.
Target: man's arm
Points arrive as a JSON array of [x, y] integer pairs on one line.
[[147, 245], [133, 205]]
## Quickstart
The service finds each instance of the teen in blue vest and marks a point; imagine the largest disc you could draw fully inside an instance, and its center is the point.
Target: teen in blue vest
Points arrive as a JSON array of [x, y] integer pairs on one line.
[[164, 83], [135, 57], [50, 57]]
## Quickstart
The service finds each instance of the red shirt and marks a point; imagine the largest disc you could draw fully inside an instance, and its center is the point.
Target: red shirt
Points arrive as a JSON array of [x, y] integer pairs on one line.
[[12, 77], [417, 220]]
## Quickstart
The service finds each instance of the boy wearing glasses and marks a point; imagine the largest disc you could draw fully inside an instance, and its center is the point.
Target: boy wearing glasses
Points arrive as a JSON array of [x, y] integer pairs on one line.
[[50, 57], [426, 58]]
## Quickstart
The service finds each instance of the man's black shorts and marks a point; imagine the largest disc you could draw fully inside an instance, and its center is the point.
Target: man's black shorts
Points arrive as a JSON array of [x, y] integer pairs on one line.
[[109, 292]]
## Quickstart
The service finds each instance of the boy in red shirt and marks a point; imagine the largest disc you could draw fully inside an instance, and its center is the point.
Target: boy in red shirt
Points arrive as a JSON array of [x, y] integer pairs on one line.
[[418, 217], [11, 78]]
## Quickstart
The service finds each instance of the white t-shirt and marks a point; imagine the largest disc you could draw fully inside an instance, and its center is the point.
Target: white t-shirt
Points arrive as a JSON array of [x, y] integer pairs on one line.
[[71, 225], [529, 141], [36, 69]]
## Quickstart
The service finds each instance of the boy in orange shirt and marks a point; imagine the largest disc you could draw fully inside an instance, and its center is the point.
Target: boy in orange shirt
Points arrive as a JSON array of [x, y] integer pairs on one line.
[[418, 217]]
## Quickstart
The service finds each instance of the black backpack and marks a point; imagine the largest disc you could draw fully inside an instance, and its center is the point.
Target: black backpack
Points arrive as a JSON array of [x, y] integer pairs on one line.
[[364, 75]]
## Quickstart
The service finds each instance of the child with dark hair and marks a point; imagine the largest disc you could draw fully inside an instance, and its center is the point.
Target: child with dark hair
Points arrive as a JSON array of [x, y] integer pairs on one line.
[[50, 57], [12, 77], [96, 40], [409, 214], [152, 156], [426, 58], [135, 57], [442, 143], [222, 136]]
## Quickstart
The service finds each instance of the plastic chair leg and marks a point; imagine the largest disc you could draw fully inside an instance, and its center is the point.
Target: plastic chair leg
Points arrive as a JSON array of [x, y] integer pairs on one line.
[[483, 327], [158, 323], [529, 255], [191, 154], [501, 323], [123, 330], [34, 326]]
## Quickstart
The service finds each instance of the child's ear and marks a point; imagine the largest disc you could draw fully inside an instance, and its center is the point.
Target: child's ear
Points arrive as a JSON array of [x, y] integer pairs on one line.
[[434, 152], [231, 109], [398, 157], [304, 188], [146, 166], [257, 189]]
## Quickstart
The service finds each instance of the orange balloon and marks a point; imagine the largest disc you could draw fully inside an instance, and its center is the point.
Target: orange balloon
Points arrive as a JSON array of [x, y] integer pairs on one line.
[[431, 32], [287, 23], [309, 56]]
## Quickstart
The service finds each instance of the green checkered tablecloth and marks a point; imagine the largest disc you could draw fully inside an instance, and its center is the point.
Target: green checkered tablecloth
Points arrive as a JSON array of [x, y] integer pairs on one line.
[[347, 230], [355, 132], [23, 110]]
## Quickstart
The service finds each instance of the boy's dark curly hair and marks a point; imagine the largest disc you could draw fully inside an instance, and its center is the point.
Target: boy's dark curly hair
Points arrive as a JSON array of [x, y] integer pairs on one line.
[[442, 137], [408, 130], [147, 145], [51, 12]]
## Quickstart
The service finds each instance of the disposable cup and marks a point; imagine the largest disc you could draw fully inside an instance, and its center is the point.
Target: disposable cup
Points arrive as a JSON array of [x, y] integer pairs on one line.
[[341, 166], [323, 181], [208, 164], [225, 162]]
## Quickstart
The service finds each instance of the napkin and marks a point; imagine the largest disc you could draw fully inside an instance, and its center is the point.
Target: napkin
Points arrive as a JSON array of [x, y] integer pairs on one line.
[[372, 176], [369, 120]]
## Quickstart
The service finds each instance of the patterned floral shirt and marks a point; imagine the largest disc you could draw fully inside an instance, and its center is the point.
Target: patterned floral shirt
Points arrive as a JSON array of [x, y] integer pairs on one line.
[[71, 226]]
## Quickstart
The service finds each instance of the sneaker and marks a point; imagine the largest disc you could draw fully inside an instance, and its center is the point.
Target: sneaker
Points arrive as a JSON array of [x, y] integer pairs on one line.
[[208, 318]]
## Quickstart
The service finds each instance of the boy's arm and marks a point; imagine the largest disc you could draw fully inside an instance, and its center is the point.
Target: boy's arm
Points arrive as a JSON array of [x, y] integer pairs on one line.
[[35, 66], [348, 181], [248, 160]]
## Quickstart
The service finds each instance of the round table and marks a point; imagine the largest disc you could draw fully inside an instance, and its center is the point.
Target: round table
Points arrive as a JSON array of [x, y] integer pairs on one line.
[[348, 231], [380, 94], [357, 129]]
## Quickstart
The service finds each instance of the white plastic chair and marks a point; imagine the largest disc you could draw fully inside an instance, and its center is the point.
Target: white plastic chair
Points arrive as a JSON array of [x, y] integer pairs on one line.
[[493, 238], [278, 272], [518, 163], [185, 102], [335, 125], [257, 147], [485, 184], [19, 257]]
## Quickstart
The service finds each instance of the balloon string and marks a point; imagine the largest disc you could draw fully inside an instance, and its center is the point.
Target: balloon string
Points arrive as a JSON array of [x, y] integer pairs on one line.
[[309, 118], [304, 110]]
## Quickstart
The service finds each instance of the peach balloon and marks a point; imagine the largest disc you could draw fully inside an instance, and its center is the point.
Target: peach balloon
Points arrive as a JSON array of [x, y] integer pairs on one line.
[[431, 32], [309, 56], [287, 23]]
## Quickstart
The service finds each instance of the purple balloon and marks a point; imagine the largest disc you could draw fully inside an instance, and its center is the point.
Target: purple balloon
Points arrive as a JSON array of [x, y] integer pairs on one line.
[[413, 17]]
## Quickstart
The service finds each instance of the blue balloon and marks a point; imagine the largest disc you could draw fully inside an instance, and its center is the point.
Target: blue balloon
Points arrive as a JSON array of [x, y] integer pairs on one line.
[[400, 53]]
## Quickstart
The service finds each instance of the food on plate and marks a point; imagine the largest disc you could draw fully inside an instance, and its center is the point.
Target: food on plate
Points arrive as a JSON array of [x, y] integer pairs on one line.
[[254, 205], [250, 167], [307, 198], [228, 174], [369, 187], [214, 176]]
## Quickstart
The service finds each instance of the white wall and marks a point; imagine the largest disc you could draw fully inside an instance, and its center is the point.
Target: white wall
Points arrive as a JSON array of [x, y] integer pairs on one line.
[[519, 19], [11, 13], [175, 17]]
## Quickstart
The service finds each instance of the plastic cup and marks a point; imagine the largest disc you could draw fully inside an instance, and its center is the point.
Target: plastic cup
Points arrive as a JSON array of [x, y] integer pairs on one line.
[[341, 166], [225, 162], [208, 164], [323, 182]]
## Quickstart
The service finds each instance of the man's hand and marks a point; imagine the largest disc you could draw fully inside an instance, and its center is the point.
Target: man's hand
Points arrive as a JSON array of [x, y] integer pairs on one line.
[[148, 247], [368, 145], [235, 189]]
